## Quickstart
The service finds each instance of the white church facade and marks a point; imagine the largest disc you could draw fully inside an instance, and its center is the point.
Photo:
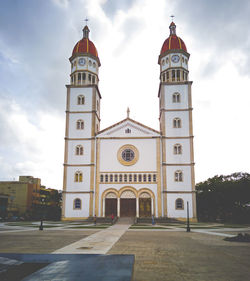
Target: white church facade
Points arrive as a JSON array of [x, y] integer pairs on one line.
[[129, 169]]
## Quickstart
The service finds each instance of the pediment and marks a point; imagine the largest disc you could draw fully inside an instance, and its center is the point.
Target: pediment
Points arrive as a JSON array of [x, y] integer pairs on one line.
[[128, 128]]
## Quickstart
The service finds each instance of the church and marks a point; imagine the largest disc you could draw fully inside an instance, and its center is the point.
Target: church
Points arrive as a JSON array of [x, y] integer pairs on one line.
[[129, 169]]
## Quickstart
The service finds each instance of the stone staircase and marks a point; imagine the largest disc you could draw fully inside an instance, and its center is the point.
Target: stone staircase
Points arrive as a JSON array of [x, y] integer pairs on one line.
[[126, 220]]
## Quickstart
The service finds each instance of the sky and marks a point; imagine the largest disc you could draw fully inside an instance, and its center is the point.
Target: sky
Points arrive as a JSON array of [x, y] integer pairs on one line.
[[37, 38]]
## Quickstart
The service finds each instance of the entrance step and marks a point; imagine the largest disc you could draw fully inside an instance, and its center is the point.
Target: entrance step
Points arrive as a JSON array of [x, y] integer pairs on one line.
[[126, 220]]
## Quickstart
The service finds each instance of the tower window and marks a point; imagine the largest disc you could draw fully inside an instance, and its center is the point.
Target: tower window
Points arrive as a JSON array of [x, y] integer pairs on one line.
[[78, 176], [77, 204], [178, 176], [111, 178], [163, 77], [125, 178], [79, 77], [116, 178], [167, 76], [178, 75], [79, 124], [176, 98], [84, 76], [89, 77], [93, 79], [80, 99], [173, 75], [144, 177], [79, 150], [179, 204], [106, 178], [177, 123], [177, 149]]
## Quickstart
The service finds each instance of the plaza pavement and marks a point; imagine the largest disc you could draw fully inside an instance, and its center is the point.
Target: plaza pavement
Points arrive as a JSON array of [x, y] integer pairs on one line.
[[160, 254]]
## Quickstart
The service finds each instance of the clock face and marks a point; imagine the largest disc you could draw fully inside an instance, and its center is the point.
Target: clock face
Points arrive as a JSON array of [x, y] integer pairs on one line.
[[175, 58], [81, 61]]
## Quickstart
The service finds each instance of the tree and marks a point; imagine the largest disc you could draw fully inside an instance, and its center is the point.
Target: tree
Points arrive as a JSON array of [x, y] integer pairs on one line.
[[225, 198]]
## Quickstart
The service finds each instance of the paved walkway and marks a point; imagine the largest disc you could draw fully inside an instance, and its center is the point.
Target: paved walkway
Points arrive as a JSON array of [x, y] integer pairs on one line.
[[97, 243]]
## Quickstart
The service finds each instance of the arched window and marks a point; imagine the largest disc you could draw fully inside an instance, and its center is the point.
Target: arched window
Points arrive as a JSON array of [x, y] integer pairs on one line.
[[79, 150], [178, 176], [149, 178], [177, 149], [81, 98], [116, 178], [77, 204], [79, 77], [140, 177], [154, 177], [89, 77], [93, 79], [84, 76], [79, 124], [179, 204], [78, 176], [130, 178], [176, 97], [144, 177], [177, 123], [125, 177]]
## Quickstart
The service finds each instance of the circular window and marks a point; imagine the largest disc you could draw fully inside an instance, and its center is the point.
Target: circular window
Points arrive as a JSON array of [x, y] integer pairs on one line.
[[128, 155]]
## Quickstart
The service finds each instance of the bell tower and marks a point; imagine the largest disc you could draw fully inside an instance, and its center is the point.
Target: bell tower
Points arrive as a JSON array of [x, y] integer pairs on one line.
[[176, 126], [82, 125]]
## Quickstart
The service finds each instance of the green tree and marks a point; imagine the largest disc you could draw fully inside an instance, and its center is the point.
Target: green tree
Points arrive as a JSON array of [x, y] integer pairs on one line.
[[225, 198]]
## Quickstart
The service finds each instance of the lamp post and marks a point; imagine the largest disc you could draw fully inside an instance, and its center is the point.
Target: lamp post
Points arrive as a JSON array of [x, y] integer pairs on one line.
[[188, 227], [41, 223]]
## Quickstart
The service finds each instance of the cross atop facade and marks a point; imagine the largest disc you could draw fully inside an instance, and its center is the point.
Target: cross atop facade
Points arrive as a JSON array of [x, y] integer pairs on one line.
[[172, 16], [86, 21], [128, 112]]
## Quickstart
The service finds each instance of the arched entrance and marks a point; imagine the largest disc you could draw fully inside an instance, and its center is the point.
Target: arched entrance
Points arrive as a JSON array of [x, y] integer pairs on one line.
[[145, 205], [110, 204], [128, 204]]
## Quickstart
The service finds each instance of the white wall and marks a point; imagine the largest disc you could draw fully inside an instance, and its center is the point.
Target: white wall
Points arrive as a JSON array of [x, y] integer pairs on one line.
[[185, 185], [70, 212], [169, 90], [177, 158], [110, 147], [177, 132], [78, 186], [172, 213], [74, 93], [79, 159], [171, 64], [86, 132]]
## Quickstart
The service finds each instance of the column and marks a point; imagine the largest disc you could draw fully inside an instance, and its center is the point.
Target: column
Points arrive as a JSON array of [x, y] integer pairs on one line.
[[103, 207], [137, 207], [118, 207], [152, 206]]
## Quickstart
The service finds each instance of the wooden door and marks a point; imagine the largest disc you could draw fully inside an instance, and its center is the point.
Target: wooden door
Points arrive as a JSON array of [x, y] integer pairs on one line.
[[145, 207], [110, 207], [127, 207]]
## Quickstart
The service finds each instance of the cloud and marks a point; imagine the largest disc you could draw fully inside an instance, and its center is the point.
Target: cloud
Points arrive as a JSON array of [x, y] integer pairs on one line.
[[112, 7]]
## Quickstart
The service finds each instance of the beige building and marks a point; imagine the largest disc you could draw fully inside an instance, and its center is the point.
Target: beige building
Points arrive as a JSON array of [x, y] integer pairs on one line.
[[19, 197]]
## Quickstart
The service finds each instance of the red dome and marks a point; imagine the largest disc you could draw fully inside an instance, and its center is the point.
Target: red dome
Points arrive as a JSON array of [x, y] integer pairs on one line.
[[173, 42], [85, 46]]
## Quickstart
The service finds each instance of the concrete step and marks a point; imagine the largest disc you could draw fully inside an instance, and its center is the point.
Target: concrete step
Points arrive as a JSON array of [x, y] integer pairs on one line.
[[126, 220]]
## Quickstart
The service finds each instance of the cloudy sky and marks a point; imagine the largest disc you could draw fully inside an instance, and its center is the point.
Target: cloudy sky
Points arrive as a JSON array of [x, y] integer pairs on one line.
[[37, 38]]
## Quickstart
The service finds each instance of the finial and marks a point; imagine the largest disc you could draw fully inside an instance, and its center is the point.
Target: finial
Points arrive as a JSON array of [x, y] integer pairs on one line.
[[172, 16], [172, 27], [128, 112], [86, 29]]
